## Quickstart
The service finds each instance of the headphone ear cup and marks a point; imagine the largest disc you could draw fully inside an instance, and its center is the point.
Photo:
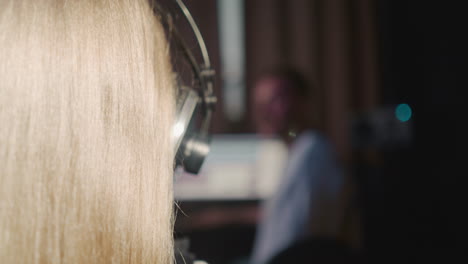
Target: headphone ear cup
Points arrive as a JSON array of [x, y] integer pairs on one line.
[[191, 147], [186, 108]]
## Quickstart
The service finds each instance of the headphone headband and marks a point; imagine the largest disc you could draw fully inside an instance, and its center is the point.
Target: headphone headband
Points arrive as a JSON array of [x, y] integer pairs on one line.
[[192, 144]]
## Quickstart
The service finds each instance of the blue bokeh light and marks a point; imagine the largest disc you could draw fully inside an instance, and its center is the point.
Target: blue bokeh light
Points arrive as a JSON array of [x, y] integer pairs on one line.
[[403, 112]]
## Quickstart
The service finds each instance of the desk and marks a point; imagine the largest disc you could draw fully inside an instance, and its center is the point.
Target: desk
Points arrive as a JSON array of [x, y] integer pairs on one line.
[[219, 231]]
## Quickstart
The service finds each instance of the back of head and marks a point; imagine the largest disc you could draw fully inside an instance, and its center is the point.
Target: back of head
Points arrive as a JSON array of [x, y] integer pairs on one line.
[[281, 101], [86, 108]]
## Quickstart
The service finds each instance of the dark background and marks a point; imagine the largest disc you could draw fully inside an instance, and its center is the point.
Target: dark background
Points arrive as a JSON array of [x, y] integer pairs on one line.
[[363, 56]]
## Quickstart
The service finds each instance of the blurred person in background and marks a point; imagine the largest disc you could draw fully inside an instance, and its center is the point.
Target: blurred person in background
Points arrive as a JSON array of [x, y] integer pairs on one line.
[[86, 113], [310, 202]]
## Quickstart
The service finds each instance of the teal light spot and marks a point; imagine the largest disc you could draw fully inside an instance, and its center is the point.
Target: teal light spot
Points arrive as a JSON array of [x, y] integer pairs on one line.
[[403, 112]]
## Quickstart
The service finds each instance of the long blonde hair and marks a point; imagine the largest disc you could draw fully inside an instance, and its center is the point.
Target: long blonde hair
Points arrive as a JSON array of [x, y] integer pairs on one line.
[[86, 108]]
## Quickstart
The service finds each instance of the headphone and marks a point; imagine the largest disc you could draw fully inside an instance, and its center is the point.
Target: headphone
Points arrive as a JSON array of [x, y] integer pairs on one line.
[[195, 104]]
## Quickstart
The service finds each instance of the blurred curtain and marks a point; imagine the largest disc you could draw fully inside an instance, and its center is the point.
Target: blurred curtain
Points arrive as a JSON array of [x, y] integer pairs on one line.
[[332, 41]]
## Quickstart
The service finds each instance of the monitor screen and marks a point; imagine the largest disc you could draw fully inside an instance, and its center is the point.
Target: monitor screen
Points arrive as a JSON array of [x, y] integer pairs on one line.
[[238, 167]]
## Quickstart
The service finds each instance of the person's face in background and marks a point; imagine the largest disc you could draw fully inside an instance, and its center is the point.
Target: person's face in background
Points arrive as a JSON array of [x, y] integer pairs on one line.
[[274, 106]]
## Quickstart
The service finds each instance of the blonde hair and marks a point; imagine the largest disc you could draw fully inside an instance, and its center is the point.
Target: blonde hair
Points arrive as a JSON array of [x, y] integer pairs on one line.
[[86, 108]]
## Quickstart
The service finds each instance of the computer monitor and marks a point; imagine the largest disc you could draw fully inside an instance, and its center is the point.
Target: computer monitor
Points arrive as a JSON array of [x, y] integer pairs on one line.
[[239, 167]]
